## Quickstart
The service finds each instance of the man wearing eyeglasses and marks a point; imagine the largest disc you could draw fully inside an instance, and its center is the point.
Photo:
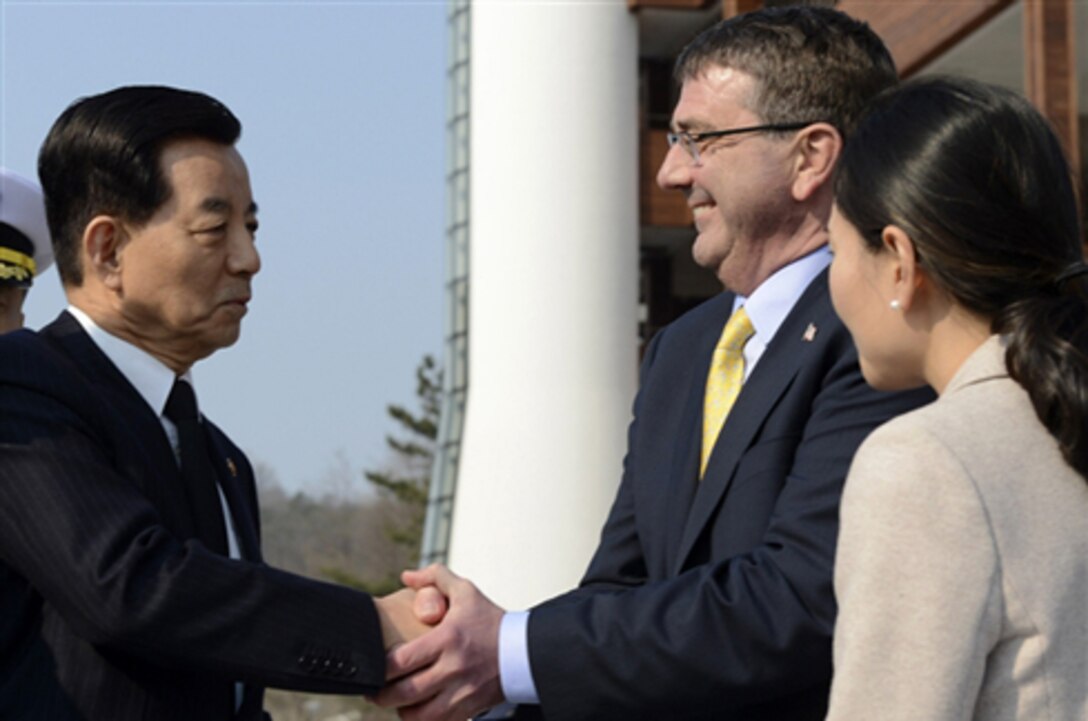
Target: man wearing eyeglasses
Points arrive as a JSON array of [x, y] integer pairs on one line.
[[710, 595]]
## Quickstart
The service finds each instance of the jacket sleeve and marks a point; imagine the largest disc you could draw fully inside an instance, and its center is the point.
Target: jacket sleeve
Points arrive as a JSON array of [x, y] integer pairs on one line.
[[80, 532]]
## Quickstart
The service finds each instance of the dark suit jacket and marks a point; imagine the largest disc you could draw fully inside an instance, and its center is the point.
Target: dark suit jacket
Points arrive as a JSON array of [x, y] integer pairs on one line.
[[108, 610], [713, 599]]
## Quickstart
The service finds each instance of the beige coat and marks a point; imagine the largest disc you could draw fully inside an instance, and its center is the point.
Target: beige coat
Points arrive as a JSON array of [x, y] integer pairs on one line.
[[962, 566]]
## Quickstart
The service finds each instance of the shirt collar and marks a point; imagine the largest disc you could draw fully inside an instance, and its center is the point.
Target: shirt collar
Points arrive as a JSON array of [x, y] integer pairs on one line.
[[775, 297], [151, 378]]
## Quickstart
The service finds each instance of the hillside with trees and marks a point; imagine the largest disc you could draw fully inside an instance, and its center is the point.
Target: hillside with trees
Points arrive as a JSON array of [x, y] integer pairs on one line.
[[362, 529]]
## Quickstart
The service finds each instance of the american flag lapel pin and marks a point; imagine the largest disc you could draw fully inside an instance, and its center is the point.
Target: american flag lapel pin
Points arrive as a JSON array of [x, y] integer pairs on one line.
[[810, 333], [232, 468]]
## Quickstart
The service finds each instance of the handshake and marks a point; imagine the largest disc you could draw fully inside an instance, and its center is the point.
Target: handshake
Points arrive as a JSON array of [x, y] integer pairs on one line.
[[441, 635]]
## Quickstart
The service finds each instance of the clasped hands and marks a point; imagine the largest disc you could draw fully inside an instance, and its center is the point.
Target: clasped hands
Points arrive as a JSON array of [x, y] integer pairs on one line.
[[441, 634]]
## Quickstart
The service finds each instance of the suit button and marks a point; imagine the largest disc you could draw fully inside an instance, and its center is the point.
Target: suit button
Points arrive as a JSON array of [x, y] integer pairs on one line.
[[352, 669]]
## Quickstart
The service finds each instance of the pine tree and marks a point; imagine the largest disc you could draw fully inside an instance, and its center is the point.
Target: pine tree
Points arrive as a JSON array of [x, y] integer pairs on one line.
[[410, 482], [406, 480]]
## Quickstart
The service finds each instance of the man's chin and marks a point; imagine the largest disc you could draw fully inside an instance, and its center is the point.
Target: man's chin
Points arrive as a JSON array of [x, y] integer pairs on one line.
[[704, 255], [221, 337]]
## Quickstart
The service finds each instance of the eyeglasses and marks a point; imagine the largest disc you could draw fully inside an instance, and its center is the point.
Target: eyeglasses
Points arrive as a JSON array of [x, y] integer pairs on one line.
[[690, 142]]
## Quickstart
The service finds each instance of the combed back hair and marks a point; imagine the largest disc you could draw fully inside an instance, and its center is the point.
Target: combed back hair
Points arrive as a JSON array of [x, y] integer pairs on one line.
[[810, 64], [102, 157], [978, 180]]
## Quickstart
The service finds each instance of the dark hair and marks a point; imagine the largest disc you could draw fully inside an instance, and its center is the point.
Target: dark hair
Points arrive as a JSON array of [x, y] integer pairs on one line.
[[809, 63], [102, 156], [978, 180]]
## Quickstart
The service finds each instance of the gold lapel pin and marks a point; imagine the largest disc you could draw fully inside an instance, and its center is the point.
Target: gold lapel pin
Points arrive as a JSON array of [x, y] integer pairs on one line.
[[232, 468], [810, 333]]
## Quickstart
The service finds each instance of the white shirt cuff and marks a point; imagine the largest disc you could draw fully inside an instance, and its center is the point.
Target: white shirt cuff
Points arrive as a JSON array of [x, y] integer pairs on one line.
[[514, 673]]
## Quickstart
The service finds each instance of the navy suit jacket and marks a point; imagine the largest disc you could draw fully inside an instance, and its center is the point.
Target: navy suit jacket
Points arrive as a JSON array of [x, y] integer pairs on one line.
[[712, 599], [109, 609]]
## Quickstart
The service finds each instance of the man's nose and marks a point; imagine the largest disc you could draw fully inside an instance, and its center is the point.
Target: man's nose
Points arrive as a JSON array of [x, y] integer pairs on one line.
[[244, 258], [675, 170]]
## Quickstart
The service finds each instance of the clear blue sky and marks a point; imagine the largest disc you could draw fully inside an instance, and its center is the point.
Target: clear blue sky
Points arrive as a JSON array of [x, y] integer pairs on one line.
[[342, 107]]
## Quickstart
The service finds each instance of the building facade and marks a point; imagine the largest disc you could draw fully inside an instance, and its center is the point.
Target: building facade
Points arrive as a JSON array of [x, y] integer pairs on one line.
[[565, 257]]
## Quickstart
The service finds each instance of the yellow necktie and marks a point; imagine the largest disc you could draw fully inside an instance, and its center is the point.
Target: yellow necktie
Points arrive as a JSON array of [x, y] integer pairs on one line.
[[724, 380]]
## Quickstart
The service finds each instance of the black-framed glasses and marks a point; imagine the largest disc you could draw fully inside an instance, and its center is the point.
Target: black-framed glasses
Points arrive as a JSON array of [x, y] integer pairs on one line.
[[690, 141]]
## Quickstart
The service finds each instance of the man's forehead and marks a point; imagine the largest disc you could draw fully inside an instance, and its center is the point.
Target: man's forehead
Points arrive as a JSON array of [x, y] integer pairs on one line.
[[715, 73], [713, 93], [200, 157], [212, 177]]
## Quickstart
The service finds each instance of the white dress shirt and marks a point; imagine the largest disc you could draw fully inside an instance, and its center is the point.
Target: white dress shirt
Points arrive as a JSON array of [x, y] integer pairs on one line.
[[153, 381], [767, 307]]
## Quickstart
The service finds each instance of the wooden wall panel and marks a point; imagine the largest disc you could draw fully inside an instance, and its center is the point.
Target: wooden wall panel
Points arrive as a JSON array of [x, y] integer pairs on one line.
[[739, 7], [657, 206], [917, 32], [1050, 70]]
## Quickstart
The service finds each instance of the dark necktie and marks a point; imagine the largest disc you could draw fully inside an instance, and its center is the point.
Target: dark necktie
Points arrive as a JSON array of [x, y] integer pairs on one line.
[[196, 468]]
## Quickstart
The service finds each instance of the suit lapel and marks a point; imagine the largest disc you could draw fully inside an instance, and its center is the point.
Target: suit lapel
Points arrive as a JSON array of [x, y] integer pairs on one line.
[[163, 486], [137, 426], [784, 356], [242, 509], [685, 461]]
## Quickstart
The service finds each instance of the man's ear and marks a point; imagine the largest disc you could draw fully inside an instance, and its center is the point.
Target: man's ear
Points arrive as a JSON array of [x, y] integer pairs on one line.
[[907, 275], [103, 245], [818, 146]]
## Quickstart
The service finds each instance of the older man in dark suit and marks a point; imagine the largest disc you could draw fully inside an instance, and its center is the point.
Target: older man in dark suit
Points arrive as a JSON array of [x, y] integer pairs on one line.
[[131, 580], [709, 596]]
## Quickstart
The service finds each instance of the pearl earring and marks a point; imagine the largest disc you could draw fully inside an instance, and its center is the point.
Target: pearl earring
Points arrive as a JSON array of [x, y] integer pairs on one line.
[[894, 305]]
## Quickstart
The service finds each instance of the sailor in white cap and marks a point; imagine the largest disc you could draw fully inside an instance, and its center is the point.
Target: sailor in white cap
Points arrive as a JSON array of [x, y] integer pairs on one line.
[[25, 248]]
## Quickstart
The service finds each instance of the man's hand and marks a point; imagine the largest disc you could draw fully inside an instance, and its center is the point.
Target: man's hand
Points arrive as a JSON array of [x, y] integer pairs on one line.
[[407, 614], [451, 673]]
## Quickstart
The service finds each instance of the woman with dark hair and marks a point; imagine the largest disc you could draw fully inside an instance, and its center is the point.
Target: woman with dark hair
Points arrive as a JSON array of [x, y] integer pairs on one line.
[[962, 567]]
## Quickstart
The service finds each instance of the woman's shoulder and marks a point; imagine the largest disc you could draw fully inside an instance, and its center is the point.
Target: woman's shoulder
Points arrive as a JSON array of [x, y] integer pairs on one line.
[[902, 454], [982, 412], [981, 442]]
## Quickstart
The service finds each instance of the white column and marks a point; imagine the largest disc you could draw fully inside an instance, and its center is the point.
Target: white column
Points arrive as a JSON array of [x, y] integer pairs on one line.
[[553, 291]]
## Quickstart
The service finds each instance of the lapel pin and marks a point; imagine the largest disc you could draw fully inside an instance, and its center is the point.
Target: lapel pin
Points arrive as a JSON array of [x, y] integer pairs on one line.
[[810, 333], [232, 468]]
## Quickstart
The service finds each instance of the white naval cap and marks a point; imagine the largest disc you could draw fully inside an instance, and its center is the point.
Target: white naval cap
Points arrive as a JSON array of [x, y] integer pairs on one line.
[[25, 247]]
